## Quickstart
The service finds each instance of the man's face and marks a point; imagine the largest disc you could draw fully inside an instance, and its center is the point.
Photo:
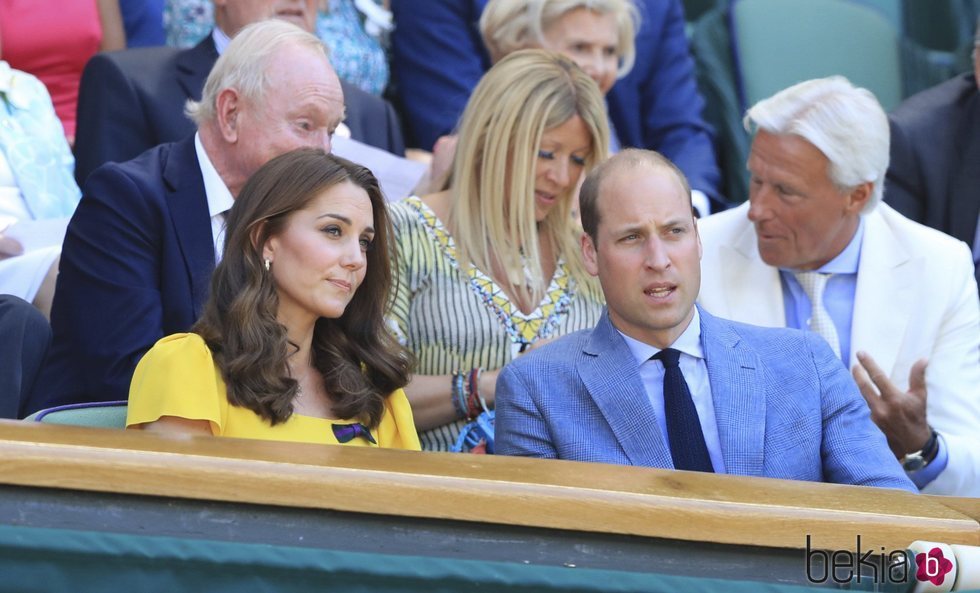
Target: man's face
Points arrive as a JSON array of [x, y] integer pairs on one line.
[[647, 253], [237, 14], [302, 107], [802, 220]]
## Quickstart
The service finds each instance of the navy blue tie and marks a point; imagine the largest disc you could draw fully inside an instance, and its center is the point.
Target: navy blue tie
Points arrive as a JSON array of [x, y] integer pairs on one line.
[[687, 446]]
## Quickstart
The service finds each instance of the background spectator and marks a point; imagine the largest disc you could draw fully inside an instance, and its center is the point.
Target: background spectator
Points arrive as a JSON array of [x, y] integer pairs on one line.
[[491, 265], [36, 183], [438, 57], [53, 40]]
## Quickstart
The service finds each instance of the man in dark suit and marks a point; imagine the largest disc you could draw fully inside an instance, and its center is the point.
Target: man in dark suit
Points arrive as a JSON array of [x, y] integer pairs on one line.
[[132, 100], [25, 335], [140, 248], [934, 174], [661, 382]]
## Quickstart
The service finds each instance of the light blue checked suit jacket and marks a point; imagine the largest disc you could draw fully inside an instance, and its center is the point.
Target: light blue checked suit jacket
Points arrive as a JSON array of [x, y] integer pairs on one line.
[[786, 407]]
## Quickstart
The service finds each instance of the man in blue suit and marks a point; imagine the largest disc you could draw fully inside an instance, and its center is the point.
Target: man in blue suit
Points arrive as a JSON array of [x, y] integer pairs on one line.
[[139, 251], [660, 382]]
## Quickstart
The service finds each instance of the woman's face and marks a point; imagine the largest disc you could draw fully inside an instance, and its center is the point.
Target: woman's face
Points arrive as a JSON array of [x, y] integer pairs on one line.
[[320, 258], [591, 40], [561, 159]]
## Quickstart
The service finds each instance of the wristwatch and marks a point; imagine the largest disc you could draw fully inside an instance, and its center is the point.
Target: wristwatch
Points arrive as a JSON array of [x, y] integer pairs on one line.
[[917, 460]]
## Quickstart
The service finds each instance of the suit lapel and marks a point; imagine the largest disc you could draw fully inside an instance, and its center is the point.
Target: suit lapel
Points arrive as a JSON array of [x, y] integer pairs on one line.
[[738, 396], [964, 205], [883, 298], [757, 294], [194, 65], [610, 375], [188, 206]]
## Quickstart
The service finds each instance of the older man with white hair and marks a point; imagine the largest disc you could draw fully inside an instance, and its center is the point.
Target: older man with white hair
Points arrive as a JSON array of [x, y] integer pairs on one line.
[[815, 249], [140, 249]]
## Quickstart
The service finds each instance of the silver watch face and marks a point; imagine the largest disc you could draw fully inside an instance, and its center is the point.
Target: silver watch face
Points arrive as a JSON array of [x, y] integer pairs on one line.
[[913, 462]]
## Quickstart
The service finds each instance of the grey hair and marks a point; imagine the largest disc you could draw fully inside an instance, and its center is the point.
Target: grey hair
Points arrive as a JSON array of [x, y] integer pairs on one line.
[[846, 123], [509, 25], [242, 66]]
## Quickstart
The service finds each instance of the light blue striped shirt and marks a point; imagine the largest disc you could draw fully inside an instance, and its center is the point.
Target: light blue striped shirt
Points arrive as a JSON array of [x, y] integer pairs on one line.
[[838, 299], [838, 296]]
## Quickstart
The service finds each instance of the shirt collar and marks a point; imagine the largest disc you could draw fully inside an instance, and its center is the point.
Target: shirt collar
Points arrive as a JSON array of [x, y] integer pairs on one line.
[[688, 342], [847, 260], [221, 40], [219, 198]]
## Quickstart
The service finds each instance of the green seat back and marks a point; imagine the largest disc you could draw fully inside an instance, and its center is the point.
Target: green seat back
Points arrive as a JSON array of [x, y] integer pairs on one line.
[[97, 415], [779, 43]]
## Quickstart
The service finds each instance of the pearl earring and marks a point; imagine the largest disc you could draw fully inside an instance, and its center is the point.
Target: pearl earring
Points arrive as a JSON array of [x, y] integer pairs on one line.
[[268, 265]]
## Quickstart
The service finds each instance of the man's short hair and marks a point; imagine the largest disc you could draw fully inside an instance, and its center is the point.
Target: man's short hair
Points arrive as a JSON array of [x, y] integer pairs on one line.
[[631, 158], [846, 123], [242, 66]]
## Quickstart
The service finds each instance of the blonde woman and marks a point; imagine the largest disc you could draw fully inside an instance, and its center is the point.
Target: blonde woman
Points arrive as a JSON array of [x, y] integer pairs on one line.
[[491, 265], [597, 34], [601, 36]]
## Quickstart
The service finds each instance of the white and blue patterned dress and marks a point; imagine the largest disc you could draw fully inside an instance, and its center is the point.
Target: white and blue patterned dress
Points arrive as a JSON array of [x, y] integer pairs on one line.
[[454, 320]]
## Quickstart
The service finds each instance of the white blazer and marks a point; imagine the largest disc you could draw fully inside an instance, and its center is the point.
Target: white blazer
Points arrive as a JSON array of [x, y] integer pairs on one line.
[[916, 297]]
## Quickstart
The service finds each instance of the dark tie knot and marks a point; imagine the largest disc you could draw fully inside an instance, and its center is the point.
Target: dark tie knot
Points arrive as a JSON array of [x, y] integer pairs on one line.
[[668, 356]]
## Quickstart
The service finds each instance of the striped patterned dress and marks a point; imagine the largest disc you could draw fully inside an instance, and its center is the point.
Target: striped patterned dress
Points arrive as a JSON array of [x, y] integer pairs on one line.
[[454, 320]]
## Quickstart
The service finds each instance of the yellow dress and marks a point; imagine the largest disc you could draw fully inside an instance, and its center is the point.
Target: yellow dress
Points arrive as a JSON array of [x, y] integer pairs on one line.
[[178, 377]]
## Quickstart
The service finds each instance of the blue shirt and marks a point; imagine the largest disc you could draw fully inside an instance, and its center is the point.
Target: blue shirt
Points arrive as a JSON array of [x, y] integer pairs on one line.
[[838, 299], [695, 370], [838, 296]]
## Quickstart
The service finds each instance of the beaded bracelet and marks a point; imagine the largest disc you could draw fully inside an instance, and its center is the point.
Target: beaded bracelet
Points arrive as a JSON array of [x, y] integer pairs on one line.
[[465, 393], [458, 394]]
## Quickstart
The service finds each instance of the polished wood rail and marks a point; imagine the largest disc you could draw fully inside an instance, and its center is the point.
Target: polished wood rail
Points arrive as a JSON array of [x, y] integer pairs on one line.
[[535, 493]]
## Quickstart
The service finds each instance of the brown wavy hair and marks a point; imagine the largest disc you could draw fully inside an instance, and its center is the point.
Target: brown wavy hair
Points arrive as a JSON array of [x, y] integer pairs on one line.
[[360, 361]]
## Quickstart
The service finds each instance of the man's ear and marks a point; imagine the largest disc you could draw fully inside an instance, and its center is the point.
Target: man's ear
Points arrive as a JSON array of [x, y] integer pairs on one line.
[[589, 256], [858, 198], [228, 108]]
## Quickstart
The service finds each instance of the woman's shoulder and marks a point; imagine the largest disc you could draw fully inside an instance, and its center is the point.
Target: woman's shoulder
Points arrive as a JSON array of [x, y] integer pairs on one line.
[[406, 211], [180, 345]]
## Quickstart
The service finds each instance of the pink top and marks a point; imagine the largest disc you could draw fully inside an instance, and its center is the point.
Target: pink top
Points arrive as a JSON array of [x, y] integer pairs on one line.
[[52, 39]]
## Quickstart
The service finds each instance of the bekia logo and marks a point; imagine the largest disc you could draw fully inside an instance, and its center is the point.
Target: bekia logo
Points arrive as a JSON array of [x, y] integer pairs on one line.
[[876, 566], [932, 566], [845, 566]]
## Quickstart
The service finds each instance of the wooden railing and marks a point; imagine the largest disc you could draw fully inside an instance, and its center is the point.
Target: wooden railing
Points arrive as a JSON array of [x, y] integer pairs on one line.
[[510, 491]]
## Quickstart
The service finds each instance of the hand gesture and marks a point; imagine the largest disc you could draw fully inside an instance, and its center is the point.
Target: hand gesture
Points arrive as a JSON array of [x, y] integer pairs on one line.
[[900, 415]]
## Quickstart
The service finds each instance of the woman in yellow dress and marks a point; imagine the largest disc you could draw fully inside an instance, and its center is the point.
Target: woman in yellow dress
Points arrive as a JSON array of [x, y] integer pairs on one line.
[[292, 343]]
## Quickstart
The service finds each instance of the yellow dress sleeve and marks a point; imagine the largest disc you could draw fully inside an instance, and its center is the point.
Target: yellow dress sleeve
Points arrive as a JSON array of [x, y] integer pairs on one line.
[[177, 377], [397, 428]]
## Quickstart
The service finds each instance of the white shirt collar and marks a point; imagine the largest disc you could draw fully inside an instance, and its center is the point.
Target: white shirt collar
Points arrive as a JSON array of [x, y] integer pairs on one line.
[[221, 40], [219, 198], [689, 342]]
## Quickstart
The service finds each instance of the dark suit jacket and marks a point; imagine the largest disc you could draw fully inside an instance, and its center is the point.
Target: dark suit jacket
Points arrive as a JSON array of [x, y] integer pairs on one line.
[[438, 57], [132, 100], [934, 173], [135, 266]]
